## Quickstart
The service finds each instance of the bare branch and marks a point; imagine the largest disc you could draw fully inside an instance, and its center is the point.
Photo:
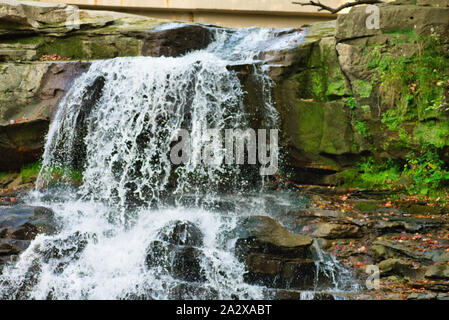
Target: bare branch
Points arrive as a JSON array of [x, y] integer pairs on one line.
[[335, 10]]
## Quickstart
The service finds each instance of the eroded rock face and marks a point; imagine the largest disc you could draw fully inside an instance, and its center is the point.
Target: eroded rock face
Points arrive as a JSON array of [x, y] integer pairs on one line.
[[275, 257], [29, 95], [330, 99]]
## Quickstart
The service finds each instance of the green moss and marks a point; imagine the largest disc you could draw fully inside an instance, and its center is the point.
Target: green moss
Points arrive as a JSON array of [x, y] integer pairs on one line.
[[362, 88], [320, 127], [336, 88], [70, 47], [35, 40], [360, 127], [366, 109], [403, 35], [322, 78], [432, 133], [413, 88], [371, 175], [63, 174], [30, 171], [366, 206]]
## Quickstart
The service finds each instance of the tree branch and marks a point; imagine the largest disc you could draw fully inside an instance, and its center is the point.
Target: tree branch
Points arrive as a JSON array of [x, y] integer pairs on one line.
[[335, 10]]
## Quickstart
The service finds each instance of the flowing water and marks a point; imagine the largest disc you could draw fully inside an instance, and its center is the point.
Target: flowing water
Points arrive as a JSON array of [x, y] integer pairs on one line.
[[115, 127]]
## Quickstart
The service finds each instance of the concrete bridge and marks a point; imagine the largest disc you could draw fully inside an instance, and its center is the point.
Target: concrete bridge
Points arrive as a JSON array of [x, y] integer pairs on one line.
[[230, 13]]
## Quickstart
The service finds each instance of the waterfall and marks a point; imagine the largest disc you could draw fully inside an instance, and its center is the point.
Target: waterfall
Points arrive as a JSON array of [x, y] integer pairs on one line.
[[116, 127]]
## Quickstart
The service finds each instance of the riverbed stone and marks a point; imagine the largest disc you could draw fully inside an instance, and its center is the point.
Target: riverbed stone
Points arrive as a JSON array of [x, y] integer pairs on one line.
[[181, 262], [384, 249], [268, 236], [182, 233], [438, 271], [395, 267], [274, 257], [337, 231]]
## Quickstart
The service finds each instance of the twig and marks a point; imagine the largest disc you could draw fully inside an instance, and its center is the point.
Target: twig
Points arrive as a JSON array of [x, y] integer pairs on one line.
[[335, 10]]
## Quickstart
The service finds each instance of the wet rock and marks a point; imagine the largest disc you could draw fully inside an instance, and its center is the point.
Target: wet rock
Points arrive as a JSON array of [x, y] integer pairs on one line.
[[438, 271], [182, 233], [170, 40], [384, 249], [266, 235], [182, 262], [26, 231], [186, 291], [285, 294], [422, 296], [274, 257], [337, 231], [187, 264], [395, 267], [276, 272], [24, 222], [7, 249], [158, 255], [65, 249]]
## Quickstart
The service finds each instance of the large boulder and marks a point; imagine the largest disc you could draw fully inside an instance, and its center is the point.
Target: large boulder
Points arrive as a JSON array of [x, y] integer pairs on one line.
[[181, 262], [182, 233], [178, 251], [274, 257]]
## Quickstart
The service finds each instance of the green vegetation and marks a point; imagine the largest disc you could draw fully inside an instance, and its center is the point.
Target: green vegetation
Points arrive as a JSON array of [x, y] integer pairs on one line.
[[64, 174], [351, 102], [360, 127], [413, 82], [425, 175], [413, 87], [363, 88], [372, 175], [428, 171], [30, 172]]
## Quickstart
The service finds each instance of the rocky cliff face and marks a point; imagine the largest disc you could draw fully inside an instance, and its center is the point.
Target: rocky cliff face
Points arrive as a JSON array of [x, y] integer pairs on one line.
[[349, 91], [42, 51]]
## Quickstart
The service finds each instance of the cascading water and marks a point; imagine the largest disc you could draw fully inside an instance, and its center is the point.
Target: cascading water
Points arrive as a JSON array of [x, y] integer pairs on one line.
[[116, 126]]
